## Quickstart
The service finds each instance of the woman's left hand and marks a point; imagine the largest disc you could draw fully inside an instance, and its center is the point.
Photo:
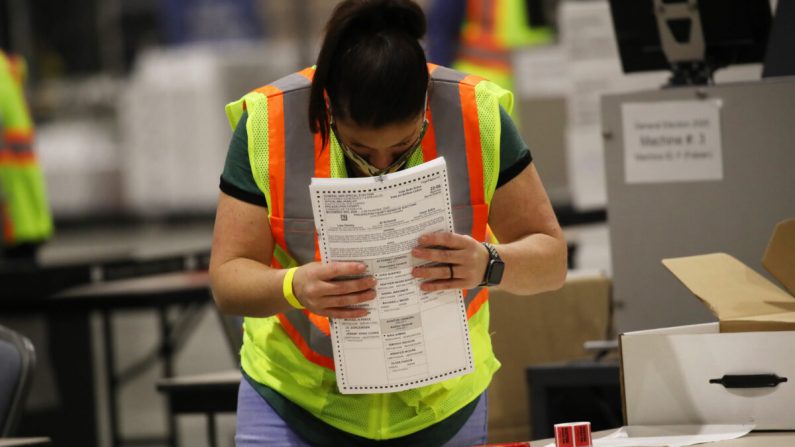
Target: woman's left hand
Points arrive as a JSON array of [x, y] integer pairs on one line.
[[463, 260]]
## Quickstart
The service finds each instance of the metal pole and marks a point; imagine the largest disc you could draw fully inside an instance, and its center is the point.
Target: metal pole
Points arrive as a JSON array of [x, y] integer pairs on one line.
[[111, 39]]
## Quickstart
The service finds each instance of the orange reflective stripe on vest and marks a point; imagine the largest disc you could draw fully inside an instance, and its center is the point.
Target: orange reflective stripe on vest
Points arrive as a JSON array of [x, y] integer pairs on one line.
[[22, 138], [474, 158], [10, 157], [16, 147]]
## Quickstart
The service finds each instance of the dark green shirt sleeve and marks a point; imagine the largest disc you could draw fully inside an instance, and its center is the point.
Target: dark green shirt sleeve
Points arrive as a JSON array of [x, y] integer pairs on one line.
[[238, 181], [514, 153]]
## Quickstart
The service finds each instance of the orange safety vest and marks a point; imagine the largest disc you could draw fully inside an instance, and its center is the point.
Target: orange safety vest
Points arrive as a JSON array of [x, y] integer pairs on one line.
[[24, 211], [479, 38], [291, 171], [292, 351], [491, 30]]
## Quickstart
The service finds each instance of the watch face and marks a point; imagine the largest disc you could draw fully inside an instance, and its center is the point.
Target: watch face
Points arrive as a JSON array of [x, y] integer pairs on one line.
[[495, 272]]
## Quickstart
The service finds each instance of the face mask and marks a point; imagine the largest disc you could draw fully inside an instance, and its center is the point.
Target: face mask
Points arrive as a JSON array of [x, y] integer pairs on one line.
[[364, 166], [367, 168]]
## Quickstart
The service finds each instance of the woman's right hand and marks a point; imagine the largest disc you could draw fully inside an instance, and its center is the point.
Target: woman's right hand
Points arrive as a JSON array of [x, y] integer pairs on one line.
[[316, 286]]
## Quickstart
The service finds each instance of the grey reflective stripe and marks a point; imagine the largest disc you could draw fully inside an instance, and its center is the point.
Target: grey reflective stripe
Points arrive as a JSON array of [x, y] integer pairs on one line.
[[484, 54], [447, 74], [470, 295], [314, 337], [448, 123], [299, 167], [463, 218], [20, 148], [292, 82]]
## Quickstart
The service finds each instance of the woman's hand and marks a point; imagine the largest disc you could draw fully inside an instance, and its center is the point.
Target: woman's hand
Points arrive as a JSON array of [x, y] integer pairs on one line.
[[318, 288], [464, 261]]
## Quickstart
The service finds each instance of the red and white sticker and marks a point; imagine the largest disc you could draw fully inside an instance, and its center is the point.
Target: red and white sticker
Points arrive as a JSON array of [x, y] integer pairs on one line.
[[573, 434]]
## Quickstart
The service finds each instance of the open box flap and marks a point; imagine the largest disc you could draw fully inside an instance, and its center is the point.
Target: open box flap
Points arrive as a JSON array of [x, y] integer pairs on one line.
[[779, 257], [760, 323], [728, 287]]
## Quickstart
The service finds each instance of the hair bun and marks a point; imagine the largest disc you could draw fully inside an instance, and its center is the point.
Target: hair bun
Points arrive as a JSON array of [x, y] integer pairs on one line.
[[374, 16]]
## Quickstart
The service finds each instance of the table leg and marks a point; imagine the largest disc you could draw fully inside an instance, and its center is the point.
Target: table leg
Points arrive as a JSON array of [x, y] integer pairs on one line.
[[211, 431], [168, 370], [167, 350], [111, 384]]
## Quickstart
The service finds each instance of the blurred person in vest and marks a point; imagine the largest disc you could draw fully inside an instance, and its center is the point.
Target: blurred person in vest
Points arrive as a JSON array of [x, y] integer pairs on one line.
[[25, 217], [478, 36], [371, 105]]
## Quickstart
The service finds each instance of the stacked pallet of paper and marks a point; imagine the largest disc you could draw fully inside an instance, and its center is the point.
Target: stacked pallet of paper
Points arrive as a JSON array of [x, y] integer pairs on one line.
[[175, 133]]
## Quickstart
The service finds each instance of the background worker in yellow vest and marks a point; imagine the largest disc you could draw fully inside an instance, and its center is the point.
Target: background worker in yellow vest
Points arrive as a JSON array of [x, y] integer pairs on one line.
[[478, 36], [24, 211], [370, 105]]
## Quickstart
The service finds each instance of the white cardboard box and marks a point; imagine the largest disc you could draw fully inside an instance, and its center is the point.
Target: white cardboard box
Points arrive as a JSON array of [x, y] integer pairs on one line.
[[739, 370]]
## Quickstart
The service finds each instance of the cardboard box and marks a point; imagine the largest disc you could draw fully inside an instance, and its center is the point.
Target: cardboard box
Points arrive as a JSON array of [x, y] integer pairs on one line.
[[539, 329], [740, 370]]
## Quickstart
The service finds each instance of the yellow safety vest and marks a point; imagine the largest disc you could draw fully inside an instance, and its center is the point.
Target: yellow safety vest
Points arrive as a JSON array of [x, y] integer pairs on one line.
[[291, 352], [24, 212], [491, 29]]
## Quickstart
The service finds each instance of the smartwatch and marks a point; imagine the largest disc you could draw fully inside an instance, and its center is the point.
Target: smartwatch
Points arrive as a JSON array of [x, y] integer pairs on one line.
[[494, 268]]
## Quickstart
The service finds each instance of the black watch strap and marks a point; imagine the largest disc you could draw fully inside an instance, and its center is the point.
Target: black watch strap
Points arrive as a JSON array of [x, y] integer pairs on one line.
[[494, 269]]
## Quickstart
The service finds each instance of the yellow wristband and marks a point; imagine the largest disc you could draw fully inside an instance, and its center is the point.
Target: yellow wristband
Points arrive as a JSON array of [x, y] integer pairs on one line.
[[287, 289]]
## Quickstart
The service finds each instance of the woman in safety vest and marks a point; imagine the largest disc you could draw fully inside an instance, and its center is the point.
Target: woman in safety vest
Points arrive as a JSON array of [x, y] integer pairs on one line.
[[478, 36], [371, 105]]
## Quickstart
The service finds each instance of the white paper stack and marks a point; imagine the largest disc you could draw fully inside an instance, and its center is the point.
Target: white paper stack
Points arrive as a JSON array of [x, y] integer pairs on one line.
[[174, 128]]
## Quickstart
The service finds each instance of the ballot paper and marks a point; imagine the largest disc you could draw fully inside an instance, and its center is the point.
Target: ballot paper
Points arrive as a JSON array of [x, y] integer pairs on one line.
[[668, 435], [410, 338]]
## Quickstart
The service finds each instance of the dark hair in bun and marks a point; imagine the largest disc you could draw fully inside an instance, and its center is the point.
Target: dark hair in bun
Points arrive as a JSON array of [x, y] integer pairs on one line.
[[371, 65]]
